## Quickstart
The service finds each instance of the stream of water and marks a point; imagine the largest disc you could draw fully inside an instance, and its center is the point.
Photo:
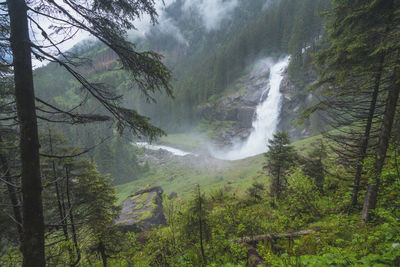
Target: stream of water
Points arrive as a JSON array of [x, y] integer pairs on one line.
[[175, 151]]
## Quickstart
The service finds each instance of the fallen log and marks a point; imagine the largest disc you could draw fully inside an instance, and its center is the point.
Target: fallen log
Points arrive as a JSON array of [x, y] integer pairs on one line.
[[252, 239]]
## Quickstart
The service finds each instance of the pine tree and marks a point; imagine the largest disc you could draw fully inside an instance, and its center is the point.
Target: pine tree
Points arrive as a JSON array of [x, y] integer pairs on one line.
[[95, 199], [280, 157], [8, 154], [358, 77], [314, 166], [197, 219]]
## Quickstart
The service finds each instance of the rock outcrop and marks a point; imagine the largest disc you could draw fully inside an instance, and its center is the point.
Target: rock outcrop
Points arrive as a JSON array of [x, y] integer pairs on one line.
[[295, 99], [142, 211], [239, 107]]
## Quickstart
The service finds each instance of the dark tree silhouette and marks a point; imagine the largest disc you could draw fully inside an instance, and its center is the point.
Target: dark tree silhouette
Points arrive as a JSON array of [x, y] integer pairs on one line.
[[108, 21]]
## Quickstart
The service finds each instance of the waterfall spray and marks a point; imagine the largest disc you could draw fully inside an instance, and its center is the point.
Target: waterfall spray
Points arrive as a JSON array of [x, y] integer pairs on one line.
[[265, 120]]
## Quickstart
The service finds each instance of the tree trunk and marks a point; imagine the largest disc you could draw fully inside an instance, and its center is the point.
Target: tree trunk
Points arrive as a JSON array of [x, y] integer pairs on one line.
[[60, 209], [278, 184], [365, 140], [12, 193], [71, 218], [201, 226], [103, 255], [384, 137], [33, 222]]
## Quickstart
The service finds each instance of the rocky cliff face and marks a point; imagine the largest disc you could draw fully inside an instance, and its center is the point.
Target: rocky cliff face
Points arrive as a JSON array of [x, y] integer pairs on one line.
[[294, 101], [239, 107], [142, 211]]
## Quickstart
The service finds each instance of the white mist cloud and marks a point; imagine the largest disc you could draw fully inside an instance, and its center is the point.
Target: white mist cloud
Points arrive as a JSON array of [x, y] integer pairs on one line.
[[268, 3], [212, 12], [165, 25]]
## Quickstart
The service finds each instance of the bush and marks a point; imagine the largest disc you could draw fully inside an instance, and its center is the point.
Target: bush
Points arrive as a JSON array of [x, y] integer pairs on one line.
[[303, 196]]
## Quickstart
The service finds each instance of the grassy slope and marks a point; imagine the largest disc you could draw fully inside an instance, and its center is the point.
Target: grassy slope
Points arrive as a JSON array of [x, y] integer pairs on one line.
[[175, 177], [185, 141]]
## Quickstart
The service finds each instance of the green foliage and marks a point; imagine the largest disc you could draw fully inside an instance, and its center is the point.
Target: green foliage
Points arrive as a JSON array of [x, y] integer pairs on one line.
[[256, 191], [302, 197], [119, 158], [339, 239], [314, 166], [213, 128], [307, 193], [280, 157], [177, 177]]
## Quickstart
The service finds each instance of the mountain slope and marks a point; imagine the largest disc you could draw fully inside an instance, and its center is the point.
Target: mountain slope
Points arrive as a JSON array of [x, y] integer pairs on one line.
[[208, 66]]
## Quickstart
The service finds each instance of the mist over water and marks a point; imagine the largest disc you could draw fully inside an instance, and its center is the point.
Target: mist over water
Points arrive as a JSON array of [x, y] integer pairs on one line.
[[265, 120]]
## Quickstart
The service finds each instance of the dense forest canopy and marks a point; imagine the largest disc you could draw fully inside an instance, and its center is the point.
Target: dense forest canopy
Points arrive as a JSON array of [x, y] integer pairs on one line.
[[119, 119]]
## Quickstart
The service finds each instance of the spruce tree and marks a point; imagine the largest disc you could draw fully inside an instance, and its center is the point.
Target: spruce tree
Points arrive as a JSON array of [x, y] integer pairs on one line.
[[314, 166], [280, 157], [358, 79]]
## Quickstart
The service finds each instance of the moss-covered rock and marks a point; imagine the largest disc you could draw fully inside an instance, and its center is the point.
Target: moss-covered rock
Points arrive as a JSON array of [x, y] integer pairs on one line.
[[142, 210]]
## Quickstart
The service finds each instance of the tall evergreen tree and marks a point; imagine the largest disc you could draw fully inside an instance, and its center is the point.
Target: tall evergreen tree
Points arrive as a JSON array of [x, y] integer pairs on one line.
[[359, 83], [105, 20], [280, 157], [197, 219], [314, 166]]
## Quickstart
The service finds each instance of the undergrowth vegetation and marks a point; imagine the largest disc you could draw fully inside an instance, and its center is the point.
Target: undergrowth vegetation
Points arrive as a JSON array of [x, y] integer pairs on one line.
[[204, 229]]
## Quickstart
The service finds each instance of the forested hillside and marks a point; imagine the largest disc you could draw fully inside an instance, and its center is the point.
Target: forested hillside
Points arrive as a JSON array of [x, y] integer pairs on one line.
[[200, 133], [206, 65]]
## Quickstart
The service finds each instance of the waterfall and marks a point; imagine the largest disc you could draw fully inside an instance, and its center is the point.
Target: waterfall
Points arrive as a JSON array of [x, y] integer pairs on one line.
[[265, 120]]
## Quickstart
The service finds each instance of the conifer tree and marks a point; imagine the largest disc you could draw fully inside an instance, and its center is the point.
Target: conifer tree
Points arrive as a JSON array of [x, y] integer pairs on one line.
[[358, 77], [106, 20], [314, 166], [196, 219], [280, 157]]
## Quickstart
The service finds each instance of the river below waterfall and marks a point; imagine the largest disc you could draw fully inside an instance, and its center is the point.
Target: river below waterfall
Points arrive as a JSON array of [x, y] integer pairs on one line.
[[174, 151]]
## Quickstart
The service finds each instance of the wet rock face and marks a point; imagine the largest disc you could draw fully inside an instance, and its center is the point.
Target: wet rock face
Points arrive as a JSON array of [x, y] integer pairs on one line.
[[240, 106], [245, 116], [294, 101], [142, 211]]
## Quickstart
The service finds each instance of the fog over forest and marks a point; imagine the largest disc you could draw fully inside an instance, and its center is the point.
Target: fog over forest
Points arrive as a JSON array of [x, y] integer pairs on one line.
[[199, 133]]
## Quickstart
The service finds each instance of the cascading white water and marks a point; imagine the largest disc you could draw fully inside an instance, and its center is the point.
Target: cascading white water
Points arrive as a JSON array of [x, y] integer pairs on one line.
[[266, 119]]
